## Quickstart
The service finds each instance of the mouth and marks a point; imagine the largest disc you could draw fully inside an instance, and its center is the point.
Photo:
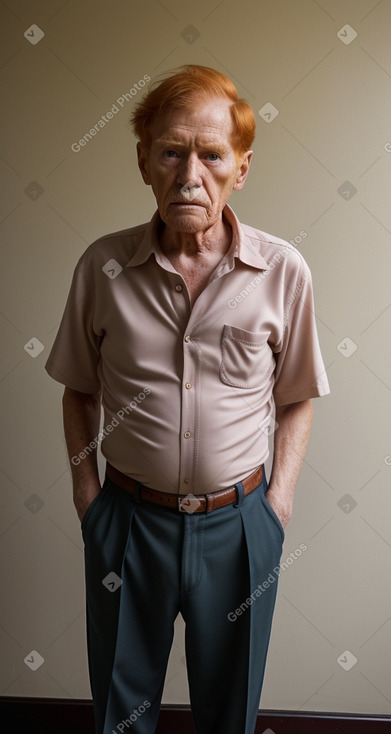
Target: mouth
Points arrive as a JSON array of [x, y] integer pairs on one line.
[[186, 203]]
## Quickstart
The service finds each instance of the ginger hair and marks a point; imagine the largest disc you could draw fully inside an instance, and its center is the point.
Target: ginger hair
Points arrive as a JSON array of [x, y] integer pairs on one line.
[[181, 89]]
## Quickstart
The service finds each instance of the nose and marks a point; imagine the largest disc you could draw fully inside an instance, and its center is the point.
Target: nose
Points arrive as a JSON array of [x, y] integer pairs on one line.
[[190, 170]]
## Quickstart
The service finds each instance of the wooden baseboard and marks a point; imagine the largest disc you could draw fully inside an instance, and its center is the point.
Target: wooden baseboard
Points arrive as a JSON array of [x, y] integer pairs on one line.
[[75, 716]]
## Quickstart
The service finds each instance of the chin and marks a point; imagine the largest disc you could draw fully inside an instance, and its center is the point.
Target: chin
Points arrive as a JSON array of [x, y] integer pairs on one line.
[[186, 222]]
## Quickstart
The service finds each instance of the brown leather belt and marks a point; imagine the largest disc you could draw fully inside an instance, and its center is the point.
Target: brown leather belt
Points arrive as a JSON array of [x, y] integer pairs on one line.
[[189, 503]]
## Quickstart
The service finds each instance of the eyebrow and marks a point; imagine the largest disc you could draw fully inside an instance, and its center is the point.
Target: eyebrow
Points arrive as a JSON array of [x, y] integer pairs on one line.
[[168, 140], [171, 140]]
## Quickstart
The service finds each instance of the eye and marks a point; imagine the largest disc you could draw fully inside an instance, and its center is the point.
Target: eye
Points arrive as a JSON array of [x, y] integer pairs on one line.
[[171, 153], [213, 156]]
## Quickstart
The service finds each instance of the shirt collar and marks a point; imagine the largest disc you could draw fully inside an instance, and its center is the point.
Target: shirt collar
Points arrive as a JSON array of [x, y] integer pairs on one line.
[[241, 247], [148, 243]]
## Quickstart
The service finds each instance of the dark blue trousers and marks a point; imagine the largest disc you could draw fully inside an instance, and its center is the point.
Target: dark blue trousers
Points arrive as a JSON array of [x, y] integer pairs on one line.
[[145, 564]]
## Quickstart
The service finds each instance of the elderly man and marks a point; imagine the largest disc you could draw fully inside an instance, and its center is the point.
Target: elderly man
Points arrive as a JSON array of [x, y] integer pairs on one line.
[[188, 330]]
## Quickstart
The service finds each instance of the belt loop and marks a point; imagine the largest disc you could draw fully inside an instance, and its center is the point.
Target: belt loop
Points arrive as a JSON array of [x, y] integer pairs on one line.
[[265, 483], [239, 494], [136, 496]]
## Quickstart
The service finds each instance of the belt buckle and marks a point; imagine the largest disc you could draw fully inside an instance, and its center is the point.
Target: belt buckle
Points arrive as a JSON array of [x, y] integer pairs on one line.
[[188, 504]]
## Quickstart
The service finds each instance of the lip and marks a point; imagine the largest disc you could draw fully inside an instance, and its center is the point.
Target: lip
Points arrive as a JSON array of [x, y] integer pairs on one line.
[[186, 203]]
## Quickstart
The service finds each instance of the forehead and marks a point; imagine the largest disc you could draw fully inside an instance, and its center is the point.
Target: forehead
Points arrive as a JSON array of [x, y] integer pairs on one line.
[[205, 121]]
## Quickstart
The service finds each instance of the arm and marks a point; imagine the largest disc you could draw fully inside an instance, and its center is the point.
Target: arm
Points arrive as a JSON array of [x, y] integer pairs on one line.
[[81, 414], [290, 446]]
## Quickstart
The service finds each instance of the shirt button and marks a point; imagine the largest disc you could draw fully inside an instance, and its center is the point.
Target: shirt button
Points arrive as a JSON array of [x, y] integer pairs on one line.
[[188, 385], [187, 434], [187, 338], [178, 287]]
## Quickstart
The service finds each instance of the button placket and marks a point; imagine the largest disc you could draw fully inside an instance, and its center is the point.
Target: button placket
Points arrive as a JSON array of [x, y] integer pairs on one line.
[[189, 415]]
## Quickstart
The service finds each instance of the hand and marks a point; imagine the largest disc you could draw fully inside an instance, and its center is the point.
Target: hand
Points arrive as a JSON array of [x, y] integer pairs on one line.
[[282, 508]]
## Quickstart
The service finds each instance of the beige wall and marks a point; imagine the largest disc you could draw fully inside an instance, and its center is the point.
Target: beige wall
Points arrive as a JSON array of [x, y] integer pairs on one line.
[[333, 127]]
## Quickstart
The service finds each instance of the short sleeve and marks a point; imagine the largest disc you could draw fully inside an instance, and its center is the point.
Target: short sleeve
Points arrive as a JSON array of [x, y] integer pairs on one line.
[[75, 355], [300, 372]]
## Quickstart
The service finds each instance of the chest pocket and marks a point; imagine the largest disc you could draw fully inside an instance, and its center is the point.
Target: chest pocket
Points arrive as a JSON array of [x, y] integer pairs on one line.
[[246, 358]]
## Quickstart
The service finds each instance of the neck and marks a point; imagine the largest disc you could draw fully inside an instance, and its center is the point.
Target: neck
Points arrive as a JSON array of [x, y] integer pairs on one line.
[[212, 243]]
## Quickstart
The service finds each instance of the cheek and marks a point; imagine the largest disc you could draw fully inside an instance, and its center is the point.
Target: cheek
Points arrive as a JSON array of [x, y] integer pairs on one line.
[[167, 165], [222, 185], [224, 176], [162, 176]]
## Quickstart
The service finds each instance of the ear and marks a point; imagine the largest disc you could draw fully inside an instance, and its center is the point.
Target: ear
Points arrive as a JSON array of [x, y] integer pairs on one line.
[[143, 162], [244, 165]]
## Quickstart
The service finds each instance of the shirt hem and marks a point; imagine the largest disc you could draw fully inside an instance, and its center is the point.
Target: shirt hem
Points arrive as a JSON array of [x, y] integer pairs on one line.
[[71, 383], [298, 397]]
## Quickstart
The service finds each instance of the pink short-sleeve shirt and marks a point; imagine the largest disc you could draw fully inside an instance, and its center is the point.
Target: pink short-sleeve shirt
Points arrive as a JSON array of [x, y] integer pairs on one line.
[[188, 393]]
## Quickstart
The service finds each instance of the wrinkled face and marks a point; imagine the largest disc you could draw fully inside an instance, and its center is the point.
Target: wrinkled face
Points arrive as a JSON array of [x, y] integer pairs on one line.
[[192, 166]]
